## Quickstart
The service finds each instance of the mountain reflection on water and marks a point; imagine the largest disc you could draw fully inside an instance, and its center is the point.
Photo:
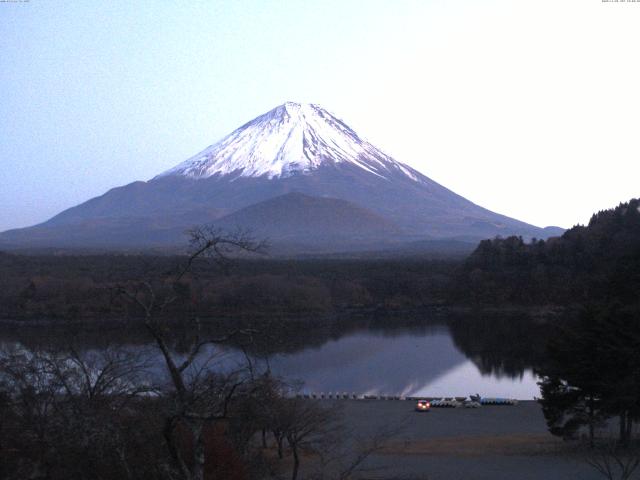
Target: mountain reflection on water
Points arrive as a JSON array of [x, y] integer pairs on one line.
[[415, 362], [490, 356]]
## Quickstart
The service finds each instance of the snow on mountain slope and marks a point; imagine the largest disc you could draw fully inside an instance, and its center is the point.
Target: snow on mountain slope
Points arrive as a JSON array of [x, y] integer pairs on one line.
[[292, 138], [293, 162]]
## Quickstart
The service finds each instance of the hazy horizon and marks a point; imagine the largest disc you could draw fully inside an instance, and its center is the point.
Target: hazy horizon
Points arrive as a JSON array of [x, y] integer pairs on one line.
[[527, 109]]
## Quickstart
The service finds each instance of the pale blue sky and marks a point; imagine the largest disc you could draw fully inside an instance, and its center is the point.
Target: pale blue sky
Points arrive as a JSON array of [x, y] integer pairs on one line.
[[527, 108]]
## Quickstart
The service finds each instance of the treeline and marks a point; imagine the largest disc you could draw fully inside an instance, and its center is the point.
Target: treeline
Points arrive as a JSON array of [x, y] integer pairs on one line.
[[589, 362], [82, 287], [117, 413], [596, 262], [591, 372]]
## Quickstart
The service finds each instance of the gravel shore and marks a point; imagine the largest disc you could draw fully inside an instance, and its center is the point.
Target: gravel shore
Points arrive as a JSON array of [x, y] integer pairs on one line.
[[491, 442]]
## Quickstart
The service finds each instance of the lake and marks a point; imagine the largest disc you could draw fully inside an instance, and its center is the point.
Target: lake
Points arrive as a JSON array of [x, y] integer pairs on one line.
[[439, 360], [411, 362]]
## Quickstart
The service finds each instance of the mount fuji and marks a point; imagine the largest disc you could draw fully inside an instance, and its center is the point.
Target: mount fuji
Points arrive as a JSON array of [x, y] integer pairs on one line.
[[297, 175]]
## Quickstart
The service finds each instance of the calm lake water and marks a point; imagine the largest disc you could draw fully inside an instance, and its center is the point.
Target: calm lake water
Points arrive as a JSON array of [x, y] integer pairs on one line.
[[412, 363], [416, 361]]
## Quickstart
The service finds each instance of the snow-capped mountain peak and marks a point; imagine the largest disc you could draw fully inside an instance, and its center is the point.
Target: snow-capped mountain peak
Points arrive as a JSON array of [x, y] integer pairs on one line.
[[297, 175], [293, 138]]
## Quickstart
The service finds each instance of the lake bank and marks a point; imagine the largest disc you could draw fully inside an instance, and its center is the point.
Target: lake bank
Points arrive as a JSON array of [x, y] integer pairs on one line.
[[488, 443]]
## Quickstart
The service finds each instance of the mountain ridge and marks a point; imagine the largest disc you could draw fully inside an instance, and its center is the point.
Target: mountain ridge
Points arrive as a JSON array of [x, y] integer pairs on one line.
[[292, 148]]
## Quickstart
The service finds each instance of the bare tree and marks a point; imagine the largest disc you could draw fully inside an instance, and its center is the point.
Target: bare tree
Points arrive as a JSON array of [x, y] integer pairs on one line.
[[29, 401], [112, 374], [65, 414], [614, 461], [315, 430], [344, 453], [200, 399], [304, 422]]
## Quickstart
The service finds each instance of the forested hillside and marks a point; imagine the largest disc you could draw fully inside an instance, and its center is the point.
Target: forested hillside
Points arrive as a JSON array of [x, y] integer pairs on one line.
[[597, 262], [81, 288]]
